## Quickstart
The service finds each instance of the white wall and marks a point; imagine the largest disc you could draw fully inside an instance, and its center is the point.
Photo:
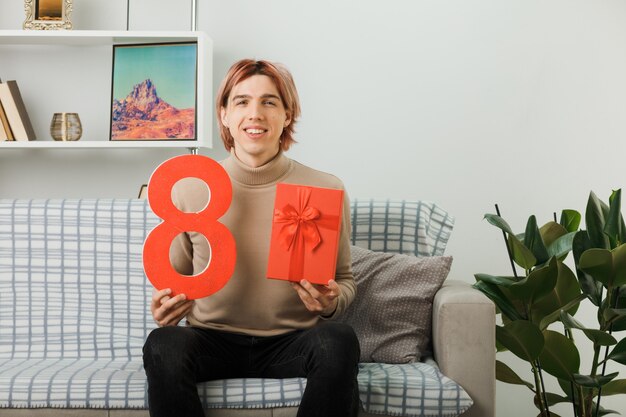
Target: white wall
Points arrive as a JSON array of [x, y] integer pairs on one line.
[[466, 103]]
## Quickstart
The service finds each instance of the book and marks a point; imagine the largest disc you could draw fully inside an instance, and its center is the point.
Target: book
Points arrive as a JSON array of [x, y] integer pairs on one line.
[[15, 110], [3, 134], [305, 233], [5, 129]]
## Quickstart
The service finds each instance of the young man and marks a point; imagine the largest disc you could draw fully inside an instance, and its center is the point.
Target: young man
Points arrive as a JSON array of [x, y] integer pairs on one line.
[[254, 327]]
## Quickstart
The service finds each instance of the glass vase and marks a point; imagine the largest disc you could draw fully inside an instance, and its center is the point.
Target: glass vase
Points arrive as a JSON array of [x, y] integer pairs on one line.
[[66, 126]]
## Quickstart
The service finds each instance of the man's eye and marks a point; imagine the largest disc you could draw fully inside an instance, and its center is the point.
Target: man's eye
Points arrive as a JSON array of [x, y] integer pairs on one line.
[[270, 103], [240, 102]]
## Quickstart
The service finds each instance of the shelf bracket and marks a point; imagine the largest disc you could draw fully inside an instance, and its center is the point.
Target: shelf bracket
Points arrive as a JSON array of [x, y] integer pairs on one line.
[[194, 15]]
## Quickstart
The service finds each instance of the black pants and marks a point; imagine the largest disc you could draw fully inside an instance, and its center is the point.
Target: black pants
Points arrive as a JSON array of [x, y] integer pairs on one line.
[[177, 358]]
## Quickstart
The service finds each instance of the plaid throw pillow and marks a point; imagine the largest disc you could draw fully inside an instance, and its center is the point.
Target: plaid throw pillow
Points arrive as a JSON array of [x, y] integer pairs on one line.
[[418, 228]]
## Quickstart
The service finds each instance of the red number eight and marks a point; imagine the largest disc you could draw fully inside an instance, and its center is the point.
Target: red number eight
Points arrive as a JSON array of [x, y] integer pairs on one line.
[[156, 259]]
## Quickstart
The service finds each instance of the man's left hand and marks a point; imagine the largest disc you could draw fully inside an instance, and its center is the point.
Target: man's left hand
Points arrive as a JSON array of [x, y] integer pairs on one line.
[[320, 299]]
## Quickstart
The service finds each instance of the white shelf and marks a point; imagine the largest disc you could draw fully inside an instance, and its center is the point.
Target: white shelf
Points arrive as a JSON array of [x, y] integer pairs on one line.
[[74, 45], [97, 144], [92, 37]]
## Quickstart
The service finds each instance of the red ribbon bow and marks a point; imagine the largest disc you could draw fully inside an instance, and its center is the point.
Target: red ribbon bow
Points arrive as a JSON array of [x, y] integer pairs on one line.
[[299, 224], [300, 229]]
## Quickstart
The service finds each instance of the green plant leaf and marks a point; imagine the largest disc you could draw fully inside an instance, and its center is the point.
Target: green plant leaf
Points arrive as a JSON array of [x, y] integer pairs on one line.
[[499, 299], [613, 227], [565, 291], [599, 264], [521, 254], [603, 411], [613, 315], [616, 386], [580, 244], [570, 220], [534, 241], [595, 219], [500, 281], [500, 348], [562, 245], [598, 337], [618, 354], [595, 381], [559, 356], [566, 386], [554, 399], [551, 231], [522, 338], [507, 375], [591, 288], [556, 315], [607, 267], [499, 222], [619, 265], [620, 323], [539, 283], [588, 285]]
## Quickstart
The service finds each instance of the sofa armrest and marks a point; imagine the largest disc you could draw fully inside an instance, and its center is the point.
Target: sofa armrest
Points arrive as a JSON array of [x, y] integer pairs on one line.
[[464, 343]]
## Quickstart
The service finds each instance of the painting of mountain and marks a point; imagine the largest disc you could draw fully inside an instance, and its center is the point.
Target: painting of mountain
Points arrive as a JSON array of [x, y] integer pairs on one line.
[[154, 92], [143, 115]]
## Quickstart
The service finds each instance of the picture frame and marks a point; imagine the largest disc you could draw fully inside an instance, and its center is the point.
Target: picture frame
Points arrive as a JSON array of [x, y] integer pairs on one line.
[[154, 92], [48, 14]]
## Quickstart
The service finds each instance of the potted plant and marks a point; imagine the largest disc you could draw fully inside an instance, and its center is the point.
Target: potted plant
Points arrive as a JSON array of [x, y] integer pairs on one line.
[[538, 304]]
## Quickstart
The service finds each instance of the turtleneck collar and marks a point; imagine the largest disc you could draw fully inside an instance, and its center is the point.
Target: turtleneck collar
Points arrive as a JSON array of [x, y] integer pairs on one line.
[[266, 174]]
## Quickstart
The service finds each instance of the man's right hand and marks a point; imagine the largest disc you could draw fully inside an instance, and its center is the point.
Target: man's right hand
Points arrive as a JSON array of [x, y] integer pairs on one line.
[[168, 311]]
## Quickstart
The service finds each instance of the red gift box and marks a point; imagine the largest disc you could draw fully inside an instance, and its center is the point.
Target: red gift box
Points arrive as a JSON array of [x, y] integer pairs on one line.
[[305, 233]]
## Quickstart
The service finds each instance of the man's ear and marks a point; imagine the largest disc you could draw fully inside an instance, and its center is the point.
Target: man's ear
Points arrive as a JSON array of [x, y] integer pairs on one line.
[[224, 117]]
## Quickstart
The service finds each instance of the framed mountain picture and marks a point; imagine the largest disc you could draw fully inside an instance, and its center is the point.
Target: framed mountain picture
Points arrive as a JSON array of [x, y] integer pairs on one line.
[[154, 92]]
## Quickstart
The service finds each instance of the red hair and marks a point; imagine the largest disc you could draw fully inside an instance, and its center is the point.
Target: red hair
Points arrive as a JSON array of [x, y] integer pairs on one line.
[[283, 80]]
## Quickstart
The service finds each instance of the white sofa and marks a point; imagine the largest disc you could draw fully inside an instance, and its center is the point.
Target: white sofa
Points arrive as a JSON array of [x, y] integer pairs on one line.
[[74, 315]]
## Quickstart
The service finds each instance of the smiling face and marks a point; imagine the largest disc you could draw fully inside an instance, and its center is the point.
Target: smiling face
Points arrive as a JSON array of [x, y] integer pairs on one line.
[[255, 117]]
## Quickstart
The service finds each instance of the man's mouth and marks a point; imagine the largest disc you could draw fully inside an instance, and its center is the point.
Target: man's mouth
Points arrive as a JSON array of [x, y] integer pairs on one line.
[[255, 131]]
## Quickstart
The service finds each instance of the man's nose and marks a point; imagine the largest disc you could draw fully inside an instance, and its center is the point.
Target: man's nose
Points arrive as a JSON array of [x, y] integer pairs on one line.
[[256, 111]]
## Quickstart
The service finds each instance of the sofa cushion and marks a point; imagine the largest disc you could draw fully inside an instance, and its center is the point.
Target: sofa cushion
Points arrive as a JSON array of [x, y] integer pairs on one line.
[[71, 278], [74, 302], [392, 312], [73, 383], [252, 392], [418, 228], [412, 390]]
